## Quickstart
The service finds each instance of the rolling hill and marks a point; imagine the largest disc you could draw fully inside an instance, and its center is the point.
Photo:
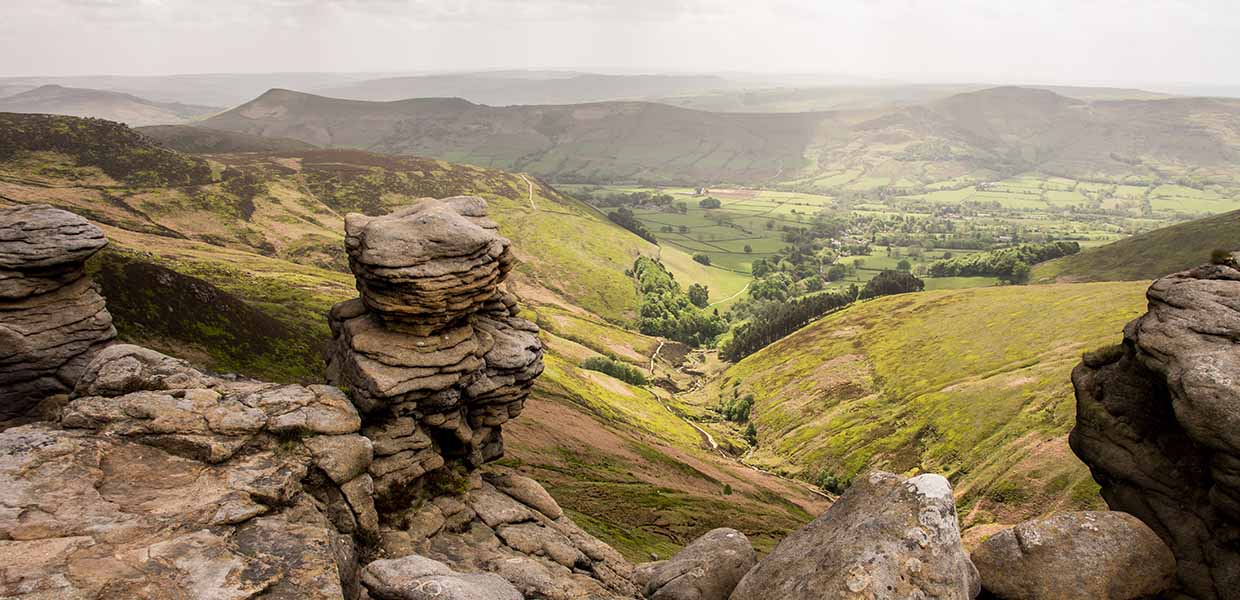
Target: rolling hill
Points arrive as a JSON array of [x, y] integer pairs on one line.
[[1149, 255], [113, 106], [207, 252], [969, 383], [983, 134]]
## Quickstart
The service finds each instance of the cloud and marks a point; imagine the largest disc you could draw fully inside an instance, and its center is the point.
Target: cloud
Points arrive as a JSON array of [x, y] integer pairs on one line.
[[979, 40]]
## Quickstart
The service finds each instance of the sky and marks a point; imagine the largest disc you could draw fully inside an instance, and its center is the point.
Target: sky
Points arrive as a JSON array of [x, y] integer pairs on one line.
[[1052, 41]]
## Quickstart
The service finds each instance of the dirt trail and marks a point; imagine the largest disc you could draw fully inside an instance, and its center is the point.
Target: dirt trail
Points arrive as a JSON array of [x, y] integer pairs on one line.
[[697, 382], [531, 184]]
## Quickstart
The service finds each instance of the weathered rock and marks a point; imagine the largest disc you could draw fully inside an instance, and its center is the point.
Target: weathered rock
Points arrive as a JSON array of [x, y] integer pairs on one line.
[[527, 491], [886, 537], [52, 318], [1158, 423], [418, 578], [707, 569], [1076, 556], [432, 351]]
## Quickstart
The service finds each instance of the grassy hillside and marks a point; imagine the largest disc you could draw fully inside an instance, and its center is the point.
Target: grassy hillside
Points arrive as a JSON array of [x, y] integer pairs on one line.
[[979, 135], [1149, 255], [970, 383], [290, 205]]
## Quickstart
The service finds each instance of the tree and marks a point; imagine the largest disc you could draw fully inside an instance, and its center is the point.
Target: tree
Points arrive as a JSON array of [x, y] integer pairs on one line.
[[751, 435], [702, 258], [699, 295], [709, 202], [683, 229], [682, 208], [837, 272], [748, 249], [759, 268], [904, 265]]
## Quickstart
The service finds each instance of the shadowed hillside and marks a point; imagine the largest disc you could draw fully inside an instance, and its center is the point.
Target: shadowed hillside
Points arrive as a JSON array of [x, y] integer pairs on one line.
[[1149, 255], [201, 140]]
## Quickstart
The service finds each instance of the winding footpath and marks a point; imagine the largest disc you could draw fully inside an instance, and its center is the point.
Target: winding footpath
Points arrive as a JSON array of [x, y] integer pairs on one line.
[[697, 384]]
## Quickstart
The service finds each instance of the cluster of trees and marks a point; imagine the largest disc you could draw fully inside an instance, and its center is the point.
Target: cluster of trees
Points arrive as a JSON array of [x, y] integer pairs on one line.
[[623, 372], [736, 409], [605, 199], [702, 258], [887, 283], [774, 320], [710, 202], [1008, 264], [666, 309], [624, 218]]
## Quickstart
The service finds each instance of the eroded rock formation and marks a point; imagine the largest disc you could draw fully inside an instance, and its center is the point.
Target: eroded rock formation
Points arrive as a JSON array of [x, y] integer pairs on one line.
[[1158, 423], [433, 352], [52, 318]]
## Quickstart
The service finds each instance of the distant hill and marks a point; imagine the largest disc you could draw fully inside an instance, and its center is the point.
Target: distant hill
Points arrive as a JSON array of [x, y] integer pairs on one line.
[[201, 140], [1149, 255], [508, 88], [608, 140], [113, 106], [982, 134]]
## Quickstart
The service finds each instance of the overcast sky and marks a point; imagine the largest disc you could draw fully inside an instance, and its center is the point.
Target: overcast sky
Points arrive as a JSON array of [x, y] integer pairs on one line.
[[1073, 41]]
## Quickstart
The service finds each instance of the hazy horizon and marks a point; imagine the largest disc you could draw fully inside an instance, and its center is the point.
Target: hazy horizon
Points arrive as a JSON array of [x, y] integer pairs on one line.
[[1122, 44]]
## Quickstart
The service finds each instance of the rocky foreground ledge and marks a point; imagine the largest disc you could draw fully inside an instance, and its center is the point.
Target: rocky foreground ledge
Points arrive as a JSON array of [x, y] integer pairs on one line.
[[144, 477]]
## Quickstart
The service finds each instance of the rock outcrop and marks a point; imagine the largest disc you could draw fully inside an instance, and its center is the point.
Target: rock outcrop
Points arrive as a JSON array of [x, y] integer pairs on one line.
[[52, 318], [707, 569], [508, 525], [886, 537], [1158, 423], [1107, 555], [433, 352], [165, 482]]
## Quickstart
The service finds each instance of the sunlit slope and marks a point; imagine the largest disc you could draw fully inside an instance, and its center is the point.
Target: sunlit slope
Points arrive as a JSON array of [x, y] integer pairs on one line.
[[1149, 255], [970, 383], [291, 205]]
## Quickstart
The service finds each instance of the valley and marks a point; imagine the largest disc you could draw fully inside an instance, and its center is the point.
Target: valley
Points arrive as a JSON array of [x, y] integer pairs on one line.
[[247, 211]]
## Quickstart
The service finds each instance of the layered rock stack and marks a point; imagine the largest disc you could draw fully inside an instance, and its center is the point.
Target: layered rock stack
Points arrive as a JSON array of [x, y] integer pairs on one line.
[[1158, 423], [432, 351], [52, 318]]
